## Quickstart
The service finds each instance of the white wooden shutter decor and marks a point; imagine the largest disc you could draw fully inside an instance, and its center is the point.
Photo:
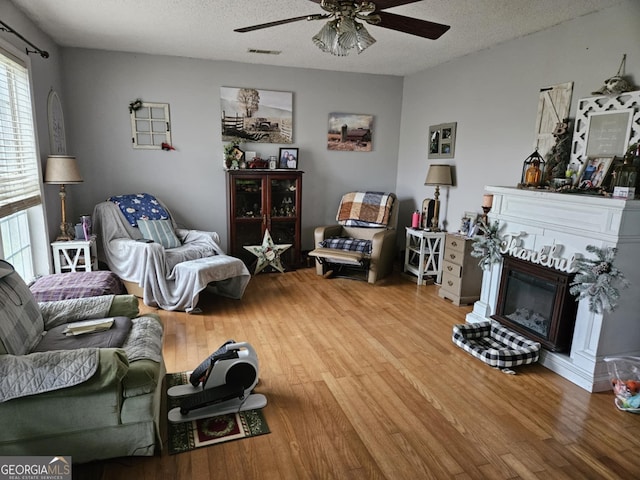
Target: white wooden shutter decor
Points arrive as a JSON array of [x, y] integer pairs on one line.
[[553, 107]]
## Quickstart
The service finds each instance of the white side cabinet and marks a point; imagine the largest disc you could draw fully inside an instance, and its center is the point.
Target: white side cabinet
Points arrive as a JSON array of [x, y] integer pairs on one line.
[[423, 254], [462, 279], [75, 255]]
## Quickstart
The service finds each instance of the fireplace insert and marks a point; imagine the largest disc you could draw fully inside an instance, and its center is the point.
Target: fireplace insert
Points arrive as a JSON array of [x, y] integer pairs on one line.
[[534, 300]]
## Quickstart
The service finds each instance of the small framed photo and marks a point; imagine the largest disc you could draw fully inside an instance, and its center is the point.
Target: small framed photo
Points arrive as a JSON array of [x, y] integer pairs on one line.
[[288, 158], [468, 223], [237, 154], [594, 172]]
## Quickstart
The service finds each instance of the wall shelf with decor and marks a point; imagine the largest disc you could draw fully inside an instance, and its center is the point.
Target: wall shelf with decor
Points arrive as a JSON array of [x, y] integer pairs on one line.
[[261, 200]]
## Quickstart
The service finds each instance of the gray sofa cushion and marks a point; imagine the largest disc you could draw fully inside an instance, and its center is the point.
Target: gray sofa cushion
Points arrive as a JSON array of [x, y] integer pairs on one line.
[[115, 337], [21, 324]]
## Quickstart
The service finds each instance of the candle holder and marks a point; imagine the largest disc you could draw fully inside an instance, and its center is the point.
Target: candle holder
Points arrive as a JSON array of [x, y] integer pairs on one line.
[[487, 203]]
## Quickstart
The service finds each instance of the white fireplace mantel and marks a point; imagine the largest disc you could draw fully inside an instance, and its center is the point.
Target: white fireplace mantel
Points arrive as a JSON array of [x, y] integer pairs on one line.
[[571, 222]]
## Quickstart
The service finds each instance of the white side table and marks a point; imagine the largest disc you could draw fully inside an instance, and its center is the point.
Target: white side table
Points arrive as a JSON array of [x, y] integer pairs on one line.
[[75, 255], [423, 254]]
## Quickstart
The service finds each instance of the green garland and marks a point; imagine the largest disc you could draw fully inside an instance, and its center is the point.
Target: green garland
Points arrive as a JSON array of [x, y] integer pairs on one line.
[[598, 280], [487, 246]]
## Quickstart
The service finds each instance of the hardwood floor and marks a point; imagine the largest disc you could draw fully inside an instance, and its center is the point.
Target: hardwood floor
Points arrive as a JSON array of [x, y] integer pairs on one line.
[[364, 382]]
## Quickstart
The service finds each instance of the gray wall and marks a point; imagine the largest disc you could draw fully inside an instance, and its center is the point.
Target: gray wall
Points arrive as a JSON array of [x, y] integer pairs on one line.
[[493, 96], [100, 85]]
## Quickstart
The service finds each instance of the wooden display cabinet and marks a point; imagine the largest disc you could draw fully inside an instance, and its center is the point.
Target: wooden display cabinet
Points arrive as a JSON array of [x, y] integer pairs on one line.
[[261, 200]]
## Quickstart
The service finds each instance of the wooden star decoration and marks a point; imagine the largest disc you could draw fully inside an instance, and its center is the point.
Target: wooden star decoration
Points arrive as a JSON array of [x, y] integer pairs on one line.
[[268, 253]]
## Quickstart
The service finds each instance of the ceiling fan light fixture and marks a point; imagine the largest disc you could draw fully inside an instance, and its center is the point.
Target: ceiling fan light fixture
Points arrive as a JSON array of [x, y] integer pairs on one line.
[[327, 36], [339, 36], [363, 38]]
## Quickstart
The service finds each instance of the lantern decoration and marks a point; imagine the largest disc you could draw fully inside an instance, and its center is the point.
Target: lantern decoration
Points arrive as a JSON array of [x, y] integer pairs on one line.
[[533, 170]]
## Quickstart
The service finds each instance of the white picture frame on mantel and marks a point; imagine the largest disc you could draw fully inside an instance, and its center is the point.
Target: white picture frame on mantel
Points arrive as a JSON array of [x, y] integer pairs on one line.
[[608, 133], [590, 105]]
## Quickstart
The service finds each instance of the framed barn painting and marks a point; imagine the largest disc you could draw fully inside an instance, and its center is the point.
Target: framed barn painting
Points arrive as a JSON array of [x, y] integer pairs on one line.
[[350, 132], [254, 115]]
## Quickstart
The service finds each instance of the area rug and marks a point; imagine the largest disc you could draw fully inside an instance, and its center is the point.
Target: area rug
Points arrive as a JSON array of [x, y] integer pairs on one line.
[[183, 437]]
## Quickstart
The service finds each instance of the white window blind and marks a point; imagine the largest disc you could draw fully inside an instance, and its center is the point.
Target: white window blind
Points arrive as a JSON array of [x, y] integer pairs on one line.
[[19, 180]]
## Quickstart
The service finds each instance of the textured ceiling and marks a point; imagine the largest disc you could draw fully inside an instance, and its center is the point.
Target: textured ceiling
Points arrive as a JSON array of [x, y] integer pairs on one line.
[[204, 29]]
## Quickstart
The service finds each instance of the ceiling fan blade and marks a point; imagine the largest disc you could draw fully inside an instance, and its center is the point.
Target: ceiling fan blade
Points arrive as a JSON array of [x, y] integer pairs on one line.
[[279, 22], [412, 26], [382, 4]]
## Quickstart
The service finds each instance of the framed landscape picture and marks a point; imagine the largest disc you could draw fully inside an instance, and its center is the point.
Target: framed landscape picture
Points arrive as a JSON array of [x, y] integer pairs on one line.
[[350, 132], [256, 116]]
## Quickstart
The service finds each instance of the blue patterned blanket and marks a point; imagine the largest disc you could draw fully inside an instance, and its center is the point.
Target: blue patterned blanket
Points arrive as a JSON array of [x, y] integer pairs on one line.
[[139, 206]]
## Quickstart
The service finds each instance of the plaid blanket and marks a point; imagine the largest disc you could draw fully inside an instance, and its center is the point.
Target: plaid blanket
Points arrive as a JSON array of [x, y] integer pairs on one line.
[[365, 209], [348, 244], [60, 286]]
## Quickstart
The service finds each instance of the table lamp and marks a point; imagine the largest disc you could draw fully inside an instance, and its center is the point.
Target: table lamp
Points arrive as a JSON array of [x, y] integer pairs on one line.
[[62, 170], [437, 175]]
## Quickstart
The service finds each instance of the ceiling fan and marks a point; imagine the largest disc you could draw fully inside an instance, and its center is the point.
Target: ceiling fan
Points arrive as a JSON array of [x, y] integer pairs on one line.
[[343, 31]]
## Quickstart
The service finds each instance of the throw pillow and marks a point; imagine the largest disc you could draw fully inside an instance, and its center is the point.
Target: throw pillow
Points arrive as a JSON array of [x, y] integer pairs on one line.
[[21, 323], [160, 231]]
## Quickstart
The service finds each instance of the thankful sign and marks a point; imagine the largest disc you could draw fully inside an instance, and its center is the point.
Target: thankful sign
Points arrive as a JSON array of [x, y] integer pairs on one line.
[[547, 256]]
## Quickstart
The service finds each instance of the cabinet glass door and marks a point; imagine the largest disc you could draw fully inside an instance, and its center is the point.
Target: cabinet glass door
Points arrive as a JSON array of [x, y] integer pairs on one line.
[[248, 214], [283, 215]]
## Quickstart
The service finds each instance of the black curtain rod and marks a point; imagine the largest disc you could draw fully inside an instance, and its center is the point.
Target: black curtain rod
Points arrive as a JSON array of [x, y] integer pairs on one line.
[[7, 28]]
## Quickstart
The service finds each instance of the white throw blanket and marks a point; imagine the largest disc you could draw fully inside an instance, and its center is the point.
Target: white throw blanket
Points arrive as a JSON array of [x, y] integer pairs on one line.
[[155, 268]]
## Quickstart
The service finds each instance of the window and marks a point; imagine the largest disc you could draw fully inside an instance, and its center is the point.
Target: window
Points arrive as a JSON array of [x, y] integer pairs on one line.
[[16, 243], [150, 125], [19, 180], [19, 175]]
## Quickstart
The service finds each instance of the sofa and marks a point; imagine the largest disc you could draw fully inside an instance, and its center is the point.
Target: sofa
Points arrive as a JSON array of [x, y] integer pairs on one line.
[[92, 396]]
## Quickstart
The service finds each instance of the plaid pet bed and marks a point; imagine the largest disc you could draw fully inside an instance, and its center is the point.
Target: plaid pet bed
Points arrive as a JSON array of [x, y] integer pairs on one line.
[[365, 209], [348, 244], [495, 345], [61, 286]]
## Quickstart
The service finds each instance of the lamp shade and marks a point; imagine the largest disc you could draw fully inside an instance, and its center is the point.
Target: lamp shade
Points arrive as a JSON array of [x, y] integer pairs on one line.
[[439, 175], [62, 169]]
